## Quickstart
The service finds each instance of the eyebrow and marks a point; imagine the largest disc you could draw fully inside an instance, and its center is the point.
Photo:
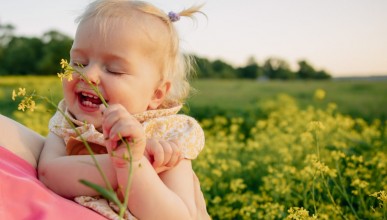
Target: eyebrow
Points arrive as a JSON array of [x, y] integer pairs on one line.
[[76, 51], [109, 56], [115, 57]]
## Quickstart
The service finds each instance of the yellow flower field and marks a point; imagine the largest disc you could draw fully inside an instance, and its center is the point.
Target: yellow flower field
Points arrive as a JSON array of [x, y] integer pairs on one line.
[[296, 164]]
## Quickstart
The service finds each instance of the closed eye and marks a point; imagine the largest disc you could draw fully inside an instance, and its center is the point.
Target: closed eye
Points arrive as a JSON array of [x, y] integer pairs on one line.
[[116, 73], [81, 65], [76, 63]]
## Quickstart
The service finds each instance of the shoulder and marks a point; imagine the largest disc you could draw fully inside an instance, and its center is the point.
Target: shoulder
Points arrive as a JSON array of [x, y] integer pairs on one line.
[[175, 120], [180, 128], [175, 124]]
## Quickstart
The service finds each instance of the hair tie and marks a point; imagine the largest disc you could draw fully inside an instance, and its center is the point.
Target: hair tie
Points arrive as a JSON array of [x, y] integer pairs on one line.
[[173, 16]]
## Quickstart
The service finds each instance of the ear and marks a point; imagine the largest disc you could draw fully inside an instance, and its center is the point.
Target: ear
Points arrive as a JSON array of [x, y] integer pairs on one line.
[[159, 95]]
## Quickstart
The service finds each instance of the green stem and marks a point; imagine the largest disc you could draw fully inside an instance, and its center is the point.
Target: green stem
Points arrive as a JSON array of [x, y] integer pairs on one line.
[[313, 196], [345, 195], [129, 181], [317, 144], [332, 199]]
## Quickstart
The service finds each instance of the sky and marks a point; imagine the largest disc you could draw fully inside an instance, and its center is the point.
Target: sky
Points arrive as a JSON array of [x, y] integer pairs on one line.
[[342, 37]]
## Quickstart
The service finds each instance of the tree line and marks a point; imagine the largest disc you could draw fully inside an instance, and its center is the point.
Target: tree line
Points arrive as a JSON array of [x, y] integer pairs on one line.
[[22, 55], [272, 68]]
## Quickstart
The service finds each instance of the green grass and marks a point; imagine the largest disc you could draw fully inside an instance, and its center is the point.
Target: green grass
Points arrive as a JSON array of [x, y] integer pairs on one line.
[[366, 99]]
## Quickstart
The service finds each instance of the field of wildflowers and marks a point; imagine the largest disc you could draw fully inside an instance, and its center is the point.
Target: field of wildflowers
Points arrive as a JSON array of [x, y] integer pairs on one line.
[[296, 164], [291, 162]]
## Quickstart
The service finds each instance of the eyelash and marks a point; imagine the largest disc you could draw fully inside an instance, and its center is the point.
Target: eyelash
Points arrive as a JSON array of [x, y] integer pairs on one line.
[[78, 64], [82, 65], [115, 73]]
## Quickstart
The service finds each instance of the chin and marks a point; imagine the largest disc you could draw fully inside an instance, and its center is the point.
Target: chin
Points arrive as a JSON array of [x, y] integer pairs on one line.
[[90, 120]]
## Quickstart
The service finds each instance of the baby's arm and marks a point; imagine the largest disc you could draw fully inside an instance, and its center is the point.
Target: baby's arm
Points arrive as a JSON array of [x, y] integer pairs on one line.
[[61, 173], [172, 192]]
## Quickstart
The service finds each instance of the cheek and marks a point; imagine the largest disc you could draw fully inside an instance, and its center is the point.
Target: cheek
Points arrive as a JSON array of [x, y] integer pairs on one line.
[[68, 88]]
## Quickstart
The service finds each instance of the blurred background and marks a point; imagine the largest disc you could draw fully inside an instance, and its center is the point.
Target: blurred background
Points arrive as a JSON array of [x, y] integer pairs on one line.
[[343, 38], [292, 96]]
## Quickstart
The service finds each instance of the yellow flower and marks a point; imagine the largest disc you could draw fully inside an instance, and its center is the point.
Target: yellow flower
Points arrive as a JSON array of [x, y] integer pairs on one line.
[[21, 92], [237, 185], [27, 102], [359, 183], [316, 125], [381, 195], [67, 71], [62, 76], [299, 213], [21, 106], [32, 105], [63, 63], [70, 77], [319, 94], [14, 95]]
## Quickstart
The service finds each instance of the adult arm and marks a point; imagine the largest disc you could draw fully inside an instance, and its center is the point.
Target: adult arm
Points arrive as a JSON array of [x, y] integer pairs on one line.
[[20, 140]]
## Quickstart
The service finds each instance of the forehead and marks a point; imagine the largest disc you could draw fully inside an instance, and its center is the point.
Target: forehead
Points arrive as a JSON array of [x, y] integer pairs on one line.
[[129, 39], [153, 32]]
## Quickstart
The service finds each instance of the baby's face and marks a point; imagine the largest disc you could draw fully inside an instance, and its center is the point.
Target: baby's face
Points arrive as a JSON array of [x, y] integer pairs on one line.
[[120, 64]]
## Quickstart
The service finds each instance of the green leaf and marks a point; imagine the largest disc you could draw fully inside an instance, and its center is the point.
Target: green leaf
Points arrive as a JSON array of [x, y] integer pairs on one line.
[[107, 194]]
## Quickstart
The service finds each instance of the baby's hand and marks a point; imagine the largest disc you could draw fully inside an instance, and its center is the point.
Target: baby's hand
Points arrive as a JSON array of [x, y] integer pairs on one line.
[[163, 155], [117, 122]]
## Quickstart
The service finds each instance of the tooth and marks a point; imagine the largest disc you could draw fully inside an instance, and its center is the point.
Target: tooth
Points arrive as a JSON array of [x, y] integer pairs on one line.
[[89, 104], [89, 95]]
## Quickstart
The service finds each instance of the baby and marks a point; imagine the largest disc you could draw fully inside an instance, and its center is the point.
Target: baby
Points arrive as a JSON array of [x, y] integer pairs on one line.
[[129, 50]]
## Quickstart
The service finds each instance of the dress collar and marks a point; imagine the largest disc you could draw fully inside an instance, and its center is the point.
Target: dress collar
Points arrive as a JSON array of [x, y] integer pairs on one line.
[[141, 117]]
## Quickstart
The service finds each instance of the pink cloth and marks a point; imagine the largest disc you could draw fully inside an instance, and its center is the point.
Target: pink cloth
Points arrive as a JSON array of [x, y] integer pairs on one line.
[[23, 196]]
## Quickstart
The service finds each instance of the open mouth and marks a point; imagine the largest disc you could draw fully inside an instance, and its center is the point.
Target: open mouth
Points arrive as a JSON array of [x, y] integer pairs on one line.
[[89, 100]]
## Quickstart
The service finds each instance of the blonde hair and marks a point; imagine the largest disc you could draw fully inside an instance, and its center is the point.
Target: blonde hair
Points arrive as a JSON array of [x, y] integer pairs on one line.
[[177, 67]]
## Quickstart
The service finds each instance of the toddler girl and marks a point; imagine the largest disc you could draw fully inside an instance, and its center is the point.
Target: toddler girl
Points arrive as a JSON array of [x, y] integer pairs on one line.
[[129, 50]]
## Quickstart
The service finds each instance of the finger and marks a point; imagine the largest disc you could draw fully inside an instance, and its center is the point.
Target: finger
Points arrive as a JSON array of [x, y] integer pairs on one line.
[[115, 119], [147, 152], [175, 155], [111, 115], [110, 146], [128, 129], [158, 154], [167, 148]]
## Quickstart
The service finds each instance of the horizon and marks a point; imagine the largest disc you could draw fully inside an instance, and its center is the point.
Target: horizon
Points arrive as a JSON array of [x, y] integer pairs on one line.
[[345, 38]]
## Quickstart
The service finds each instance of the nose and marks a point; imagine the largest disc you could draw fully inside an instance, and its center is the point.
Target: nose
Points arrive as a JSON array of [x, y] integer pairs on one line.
[[91, 74]]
